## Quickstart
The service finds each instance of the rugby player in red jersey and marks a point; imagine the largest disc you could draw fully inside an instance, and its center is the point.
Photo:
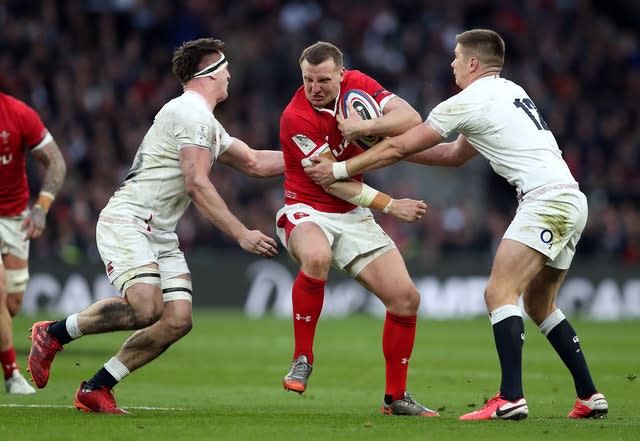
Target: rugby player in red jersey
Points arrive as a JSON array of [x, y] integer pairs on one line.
[[21, 131], [320, 228]]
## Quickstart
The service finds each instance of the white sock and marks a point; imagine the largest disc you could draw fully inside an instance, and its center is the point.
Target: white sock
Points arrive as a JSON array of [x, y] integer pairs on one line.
[[503, 312], [551, 321], [72, 326], [116, 368]]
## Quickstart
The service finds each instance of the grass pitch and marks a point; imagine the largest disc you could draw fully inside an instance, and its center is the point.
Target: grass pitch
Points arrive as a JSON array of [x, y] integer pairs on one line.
[[223, 382]]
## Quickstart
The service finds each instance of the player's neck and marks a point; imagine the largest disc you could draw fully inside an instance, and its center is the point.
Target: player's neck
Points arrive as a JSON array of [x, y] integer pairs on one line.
[[210, 102], [490, 73]]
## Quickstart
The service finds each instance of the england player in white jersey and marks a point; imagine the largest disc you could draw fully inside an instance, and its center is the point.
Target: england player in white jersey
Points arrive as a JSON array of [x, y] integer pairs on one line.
[[136, 230], [496, 118]]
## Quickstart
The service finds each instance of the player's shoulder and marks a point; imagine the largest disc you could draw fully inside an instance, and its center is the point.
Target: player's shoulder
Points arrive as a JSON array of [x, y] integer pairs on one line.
[[298, 108], [355, 79], [185, 106], [355, 75], [16, 105]]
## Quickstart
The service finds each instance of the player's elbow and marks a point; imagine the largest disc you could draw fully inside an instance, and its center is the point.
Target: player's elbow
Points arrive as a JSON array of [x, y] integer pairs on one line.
[[253, 168], [414, 119], [195, 186], [395, 150], [256, 165], [61, 167]]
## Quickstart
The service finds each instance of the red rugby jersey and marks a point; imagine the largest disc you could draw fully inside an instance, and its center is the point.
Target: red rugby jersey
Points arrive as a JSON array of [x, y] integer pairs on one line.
[[304, 129], [20, 130]]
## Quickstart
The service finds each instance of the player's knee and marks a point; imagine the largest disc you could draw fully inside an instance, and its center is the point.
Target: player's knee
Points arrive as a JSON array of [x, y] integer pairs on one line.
[[315, 263], [411, 301], [495, 296], [177, 326], [406, 302], [536, 312], [14, 303], [147, 316], [182, 327]]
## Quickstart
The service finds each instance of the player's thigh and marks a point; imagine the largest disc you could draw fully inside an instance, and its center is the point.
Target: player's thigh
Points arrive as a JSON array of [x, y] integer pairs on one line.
[[142, 292], [309, 246], [540, 296], [3, 285], [123, 248], [551, 224], [388, 278], [12, 239], [13, 262], [514, 266]]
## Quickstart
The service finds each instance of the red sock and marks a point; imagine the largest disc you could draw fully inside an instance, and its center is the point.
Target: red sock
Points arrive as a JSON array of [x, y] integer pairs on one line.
[[307, 298], [397, 345], [8, 360]]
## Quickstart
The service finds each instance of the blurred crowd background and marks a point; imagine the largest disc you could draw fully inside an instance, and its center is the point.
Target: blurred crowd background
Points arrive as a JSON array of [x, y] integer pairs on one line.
[[98, 71]]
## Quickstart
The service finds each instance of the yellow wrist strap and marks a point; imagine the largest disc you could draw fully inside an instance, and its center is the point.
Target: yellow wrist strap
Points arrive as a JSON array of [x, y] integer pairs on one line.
[[45, 199]]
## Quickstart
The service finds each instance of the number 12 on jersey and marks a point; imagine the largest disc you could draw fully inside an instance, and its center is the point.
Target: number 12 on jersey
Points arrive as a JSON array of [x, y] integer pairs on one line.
[[529, 108]]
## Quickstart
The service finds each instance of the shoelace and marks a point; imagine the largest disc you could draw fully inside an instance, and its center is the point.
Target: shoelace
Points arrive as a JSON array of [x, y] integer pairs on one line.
[[45, 339], [408, 399], [493, 400], [300, 369]]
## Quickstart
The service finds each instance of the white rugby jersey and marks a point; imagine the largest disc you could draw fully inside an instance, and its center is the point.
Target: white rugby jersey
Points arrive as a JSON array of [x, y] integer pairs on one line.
[[500, 120], [153, 191]]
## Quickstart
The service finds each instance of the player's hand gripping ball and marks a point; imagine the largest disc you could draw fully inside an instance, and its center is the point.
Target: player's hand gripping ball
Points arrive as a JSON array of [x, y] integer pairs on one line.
[[367, 108]]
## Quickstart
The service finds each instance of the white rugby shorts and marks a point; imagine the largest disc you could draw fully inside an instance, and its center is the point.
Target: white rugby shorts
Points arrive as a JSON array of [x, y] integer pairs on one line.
[[125, 245], [551, 220], [355, 237], [12, 237]]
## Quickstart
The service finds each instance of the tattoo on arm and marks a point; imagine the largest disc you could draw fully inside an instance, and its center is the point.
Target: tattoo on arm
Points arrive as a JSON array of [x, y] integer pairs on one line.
[[51, 159]]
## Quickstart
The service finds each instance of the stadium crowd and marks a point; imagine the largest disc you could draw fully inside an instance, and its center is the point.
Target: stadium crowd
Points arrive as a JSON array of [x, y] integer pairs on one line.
[[97, 71]]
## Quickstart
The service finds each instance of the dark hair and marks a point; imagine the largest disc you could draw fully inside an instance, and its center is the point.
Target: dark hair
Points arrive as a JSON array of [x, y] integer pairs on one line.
[[188, 57], [484, 44], [320, 52]]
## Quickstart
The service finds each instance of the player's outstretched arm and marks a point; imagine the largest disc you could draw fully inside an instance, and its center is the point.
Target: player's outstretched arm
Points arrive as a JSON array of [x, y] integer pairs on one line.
[[397, 117], [195, 164], [386, 152], [447, 154], [255, 163], [389, 151], [55, 169], [358, 193]]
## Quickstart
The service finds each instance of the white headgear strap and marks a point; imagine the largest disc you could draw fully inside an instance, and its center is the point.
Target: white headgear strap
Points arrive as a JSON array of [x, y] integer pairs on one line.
[[214, 68]]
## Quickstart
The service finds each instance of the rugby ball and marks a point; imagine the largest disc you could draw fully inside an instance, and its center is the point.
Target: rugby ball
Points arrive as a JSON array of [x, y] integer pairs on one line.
[[367, 108]]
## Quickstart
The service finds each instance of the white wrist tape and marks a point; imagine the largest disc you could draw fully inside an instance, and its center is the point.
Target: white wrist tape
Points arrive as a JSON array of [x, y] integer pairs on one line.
[[339, 170], [366, 196], [387, 207]]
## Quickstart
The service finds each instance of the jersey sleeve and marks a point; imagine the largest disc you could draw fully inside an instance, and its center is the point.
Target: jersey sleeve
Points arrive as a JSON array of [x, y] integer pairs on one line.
[[448, 116], [224, 140], [194, 129], [462, 113], [34, 131]]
